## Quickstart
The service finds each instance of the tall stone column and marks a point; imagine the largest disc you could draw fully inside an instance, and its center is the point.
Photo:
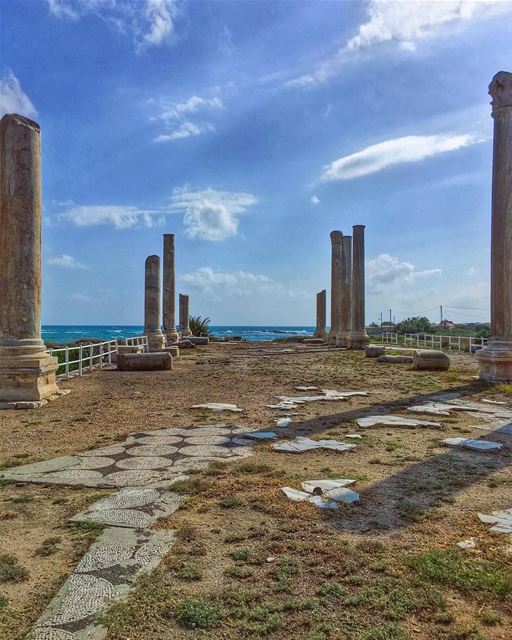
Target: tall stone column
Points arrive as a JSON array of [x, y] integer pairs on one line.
[[496, 358], [346, 292], [336, 239], [358, 338], [152, 309], [184, 316], [27, 371], [169, 291], [321, 310]]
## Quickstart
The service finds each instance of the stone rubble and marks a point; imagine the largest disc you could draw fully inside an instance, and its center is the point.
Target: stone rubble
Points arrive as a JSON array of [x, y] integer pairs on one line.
[[395, 421], [475, 445], [301, 444], [325, 494], [502, 520]]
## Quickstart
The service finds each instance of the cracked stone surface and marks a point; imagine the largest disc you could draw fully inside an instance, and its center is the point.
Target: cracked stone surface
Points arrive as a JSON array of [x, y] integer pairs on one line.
[[132, 478], [156, 440], [475, 445], [152, 450], [47, 633], [105, 556], [302, 444], [208, 440], [144, 462], [502, 520], [395, 421], [127, 499], [260, 435]]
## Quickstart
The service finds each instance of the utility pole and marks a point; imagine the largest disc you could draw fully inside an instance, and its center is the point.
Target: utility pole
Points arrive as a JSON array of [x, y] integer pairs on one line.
[[381, 318], [390, 316], [441, 310]]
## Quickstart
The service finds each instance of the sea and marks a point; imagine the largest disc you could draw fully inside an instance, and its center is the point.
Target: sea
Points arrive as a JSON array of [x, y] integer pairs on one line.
[[62, 334]]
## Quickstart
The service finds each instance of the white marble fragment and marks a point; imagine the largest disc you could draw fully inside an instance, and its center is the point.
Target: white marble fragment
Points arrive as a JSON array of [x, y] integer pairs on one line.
[[342, 494], [306, 388], [493, 401], [301, 496], [395, 421], [217, 406], [283, 422], [470, 543], [502, 520], [326, 485], [260, 435], [354, 436], [475, 445], [301, 444]]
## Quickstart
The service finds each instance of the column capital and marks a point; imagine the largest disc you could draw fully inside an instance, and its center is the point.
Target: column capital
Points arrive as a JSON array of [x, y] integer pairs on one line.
[[336, 237], [500, 91], [358, 226]]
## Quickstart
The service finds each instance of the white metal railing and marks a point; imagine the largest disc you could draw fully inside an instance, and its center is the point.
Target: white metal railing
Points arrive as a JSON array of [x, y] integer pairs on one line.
[[93, 355], [467, 344]]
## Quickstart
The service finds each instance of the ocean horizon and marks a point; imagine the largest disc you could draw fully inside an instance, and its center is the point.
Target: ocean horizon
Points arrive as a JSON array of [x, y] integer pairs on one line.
[[62, 334]]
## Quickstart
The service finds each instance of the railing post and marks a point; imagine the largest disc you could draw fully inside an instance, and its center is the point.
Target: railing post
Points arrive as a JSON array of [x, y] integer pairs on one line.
[[80, 365], [67, 363], [101, 355]]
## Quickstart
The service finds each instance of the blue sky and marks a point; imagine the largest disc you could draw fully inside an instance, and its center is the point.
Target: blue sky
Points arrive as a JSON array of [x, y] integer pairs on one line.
[[251, 130]]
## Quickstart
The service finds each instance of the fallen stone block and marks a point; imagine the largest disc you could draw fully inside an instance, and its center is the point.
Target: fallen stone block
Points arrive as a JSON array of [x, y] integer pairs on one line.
[[156, 361], [395, 359], [502, 520], [283, 422], [430, 360], [301, 496], [173, 350], [467, 544], [311, 486], [313, 341], [374, 351], [395, 421], [185, 344], [199, 340], [474, 445], [217, 406], [260, 435], [302, 444], [306, 387], [136, 348]]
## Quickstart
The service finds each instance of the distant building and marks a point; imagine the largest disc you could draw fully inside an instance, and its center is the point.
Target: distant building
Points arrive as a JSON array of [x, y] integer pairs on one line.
[[447, 324]]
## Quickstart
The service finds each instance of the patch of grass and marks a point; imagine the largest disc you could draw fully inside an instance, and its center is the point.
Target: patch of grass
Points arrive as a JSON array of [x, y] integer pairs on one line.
[[230, 502], [60, 501], [87, 528], [197, 613], [490, 618], [3, 602], [262, 621], [251, 467], [444, 617], [332, 591], [450, 568], [286, 568], [504, 388], [48, 547], [192, 486], [20, 499], [235, 571], [387, 631], [189, 571], [11, 570], [409, 511], [389, 595]]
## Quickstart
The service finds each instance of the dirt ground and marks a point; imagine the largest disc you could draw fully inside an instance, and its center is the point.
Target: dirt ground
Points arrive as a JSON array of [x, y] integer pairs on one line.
[[249, 563]]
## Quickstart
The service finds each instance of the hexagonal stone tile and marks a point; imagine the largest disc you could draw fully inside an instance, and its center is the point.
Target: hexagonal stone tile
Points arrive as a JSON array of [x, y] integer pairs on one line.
[[152, 450], [144, 462]]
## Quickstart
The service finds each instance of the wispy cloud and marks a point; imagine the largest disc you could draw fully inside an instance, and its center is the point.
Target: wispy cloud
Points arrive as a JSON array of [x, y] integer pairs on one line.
[[397, 151], [315, 200], [65, 261], [210, 214], [402, 24], [206, 277], [387, 271], [176, 117], [81, 297], [118, 216], [12, 97], [149, 22]]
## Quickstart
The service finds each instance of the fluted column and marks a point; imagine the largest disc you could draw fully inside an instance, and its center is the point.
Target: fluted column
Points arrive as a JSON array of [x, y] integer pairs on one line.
[[169, 291], [358, 338], [152, 309], [336, 239], [346, 292], [27, 372], [321, 310], [184, 316], [496, 358]]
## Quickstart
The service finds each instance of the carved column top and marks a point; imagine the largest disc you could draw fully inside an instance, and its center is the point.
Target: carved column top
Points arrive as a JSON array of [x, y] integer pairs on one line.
[[500, 91], [21, 120], [336, 236]]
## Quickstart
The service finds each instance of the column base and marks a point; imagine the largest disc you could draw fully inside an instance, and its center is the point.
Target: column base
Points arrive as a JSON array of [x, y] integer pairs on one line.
[[27, 372], [171, 337], [320, 334], [186, 333], [156, 341], [358, 340], [331, 337], [495, 360], [342, 338]]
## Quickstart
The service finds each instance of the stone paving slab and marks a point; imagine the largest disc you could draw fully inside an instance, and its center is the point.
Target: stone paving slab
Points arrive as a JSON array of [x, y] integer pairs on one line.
[[502, 520], [485, 446], [395, 421], [302, 444]]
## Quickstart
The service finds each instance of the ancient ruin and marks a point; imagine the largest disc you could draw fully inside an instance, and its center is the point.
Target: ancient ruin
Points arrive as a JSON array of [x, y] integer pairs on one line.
[[321, 310], [184, 316], [152, 304], [169, 291], [336, 257], [358, 338]]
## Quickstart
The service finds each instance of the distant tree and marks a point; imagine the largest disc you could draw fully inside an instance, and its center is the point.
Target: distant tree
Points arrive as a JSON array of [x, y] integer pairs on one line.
[[415, 325], [483, 332], [199, 326]]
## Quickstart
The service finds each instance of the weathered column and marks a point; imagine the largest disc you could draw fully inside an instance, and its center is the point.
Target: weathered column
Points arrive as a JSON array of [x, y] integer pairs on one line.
[[346, 292], [496, 358], [321, 310], [152, 310], [336, 239], [169, 291], [184, 316], [27, 371], [358, 338]]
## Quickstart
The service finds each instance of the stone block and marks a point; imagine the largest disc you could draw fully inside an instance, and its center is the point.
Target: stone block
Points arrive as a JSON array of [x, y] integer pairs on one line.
[[174, 351], [201, 340], [431, 360], [395, 359], [313, 341], [185, 344], [156, 361], [374, 351]]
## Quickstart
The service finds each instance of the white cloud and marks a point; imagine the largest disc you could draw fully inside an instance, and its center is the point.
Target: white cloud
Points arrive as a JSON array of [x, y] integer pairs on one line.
[[149, 22], [210, 214], [12, 97], [80, 297], [403, 23], [397, 151], [205, 278], [119, 216], [387, 271], [176, 117], [68, 262], [314, 200]]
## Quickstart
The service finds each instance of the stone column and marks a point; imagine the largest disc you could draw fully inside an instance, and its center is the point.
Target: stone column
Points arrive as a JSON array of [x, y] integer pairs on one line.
[[184, 316], [336, 239], [152, 310], [27, 371], [321, 309], [346, 292], [496, 358], [358, 338], [169, 291]]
